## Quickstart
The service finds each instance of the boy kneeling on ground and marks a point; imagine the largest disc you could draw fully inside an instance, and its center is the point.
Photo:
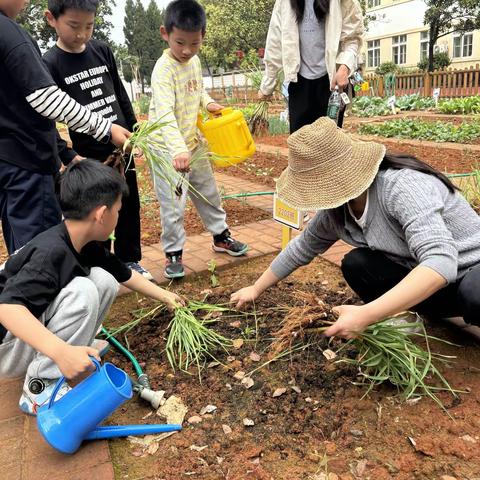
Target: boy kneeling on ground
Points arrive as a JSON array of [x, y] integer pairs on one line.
[[57, 289]]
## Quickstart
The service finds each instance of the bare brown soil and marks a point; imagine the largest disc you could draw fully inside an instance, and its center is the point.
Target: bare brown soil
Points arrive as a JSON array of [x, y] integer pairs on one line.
[[322, 426]]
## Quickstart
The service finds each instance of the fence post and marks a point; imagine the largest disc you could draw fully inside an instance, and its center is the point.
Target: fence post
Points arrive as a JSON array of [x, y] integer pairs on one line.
[[381, 91], [427, 86]]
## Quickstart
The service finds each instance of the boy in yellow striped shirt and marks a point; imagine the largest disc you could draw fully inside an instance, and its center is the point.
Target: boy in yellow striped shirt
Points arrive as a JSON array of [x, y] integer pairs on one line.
[[177, 96]]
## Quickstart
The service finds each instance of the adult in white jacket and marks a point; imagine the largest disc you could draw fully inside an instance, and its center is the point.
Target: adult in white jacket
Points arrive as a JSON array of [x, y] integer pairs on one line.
[[316, 43]]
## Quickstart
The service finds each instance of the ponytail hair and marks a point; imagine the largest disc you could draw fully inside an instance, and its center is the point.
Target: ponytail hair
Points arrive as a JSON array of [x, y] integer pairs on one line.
[[320, 7], [401, 161]]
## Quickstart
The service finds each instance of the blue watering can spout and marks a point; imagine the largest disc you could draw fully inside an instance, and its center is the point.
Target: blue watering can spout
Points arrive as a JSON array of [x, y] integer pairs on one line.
[[127, 430]]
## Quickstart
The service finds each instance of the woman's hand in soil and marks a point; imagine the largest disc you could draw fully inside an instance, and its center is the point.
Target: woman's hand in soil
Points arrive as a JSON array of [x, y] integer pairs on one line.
[[341, 77], [119, 135], [244, 296], [352, 321], [75, 363], [181, 162]]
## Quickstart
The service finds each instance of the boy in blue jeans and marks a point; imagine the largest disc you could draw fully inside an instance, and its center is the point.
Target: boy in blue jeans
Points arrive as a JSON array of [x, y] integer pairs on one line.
[[30, 104], [86, 69], [177, 96], [57, 289]]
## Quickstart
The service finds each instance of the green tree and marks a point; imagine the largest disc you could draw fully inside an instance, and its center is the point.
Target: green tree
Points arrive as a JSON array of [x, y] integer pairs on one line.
[[440, 60], [33, 20], [135, 31], [142, 36], [155, 43], [239, 25], [444, 17]]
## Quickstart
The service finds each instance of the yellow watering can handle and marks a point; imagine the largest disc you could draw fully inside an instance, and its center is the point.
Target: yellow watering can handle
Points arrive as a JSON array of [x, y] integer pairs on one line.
[[247, 137], [222, 112]]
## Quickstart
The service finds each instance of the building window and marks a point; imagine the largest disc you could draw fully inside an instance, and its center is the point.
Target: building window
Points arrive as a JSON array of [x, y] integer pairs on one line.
[[424, 40], [373, 50], [373, 3], [399, 50], [463, 45]]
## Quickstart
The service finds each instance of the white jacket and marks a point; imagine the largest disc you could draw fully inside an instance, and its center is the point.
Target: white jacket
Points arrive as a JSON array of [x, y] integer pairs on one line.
[[343, 38]]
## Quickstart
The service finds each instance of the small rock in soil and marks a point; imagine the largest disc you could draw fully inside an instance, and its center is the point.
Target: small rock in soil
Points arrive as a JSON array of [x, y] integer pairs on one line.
[[230, 358], [356, 433], [195, 419], [308, 400], [239, 375], [237, 343], [255, 357], [213, 364], [226, 429], [208, 409], [196, 448], [296, 389], [236, 324], [278, 392], [247, 382], [228, 386], [248, 422], [468, 438], [329, 354]]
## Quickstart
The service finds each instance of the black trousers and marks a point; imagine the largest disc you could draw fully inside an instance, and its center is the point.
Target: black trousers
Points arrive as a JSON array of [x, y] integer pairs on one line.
[[308, 100], [28, 205], [127, 245], [370, 274]]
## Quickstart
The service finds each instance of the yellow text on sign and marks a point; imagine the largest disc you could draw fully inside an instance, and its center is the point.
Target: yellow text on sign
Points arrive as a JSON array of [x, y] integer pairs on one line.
[[289, 217]]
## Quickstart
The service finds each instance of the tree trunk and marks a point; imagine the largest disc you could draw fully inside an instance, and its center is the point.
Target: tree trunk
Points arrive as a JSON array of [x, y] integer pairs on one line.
[[433, 38]]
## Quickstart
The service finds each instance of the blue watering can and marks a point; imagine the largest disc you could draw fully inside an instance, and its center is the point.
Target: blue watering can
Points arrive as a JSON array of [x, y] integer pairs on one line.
[[67, 422]]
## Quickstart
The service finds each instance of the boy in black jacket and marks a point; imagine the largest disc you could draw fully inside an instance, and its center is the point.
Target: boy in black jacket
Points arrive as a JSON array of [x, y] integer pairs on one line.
[[30, 103], [86, 70], [57, 289]]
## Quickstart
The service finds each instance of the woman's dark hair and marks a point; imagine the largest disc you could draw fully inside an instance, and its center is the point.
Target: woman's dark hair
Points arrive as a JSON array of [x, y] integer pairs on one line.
[[320, 7], [86, 185], [187, 15], [400, 161]]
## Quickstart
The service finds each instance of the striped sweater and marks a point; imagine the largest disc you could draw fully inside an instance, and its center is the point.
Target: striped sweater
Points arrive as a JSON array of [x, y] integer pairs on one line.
[[412, 218], [177, 96]]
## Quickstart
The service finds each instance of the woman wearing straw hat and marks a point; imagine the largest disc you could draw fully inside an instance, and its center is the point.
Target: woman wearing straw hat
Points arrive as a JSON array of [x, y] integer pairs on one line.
[[417, 239]]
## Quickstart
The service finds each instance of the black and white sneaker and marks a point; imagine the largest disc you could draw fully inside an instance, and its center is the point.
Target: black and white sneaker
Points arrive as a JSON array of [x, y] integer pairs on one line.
[[174, 265], [135, 266], [226, 244]]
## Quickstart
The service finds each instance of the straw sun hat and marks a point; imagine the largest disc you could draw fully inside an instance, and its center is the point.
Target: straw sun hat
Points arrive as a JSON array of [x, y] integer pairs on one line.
[[326, 167]]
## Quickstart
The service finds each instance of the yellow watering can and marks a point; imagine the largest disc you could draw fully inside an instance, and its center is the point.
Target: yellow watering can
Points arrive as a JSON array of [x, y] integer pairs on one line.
[[228, 136]]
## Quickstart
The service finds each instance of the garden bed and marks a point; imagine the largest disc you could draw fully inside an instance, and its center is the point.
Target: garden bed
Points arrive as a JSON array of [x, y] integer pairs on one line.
[[262, 168], [449, 158], [320, 424]]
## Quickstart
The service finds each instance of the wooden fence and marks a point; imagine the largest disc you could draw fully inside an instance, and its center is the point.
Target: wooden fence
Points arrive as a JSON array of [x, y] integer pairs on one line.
[[452, 83]]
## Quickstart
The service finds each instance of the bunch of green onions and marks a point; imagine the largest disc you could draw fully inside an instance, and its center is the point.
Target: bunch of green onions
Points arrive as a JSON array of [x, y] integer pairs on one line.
[[387, 352], [190, 341], [145, 138], [258, 122]]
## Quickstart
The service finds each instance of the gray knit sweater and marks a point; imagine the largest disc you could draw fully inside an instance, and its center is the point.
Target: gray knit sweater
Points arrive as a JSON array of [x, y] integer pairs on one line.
[[412, 218]]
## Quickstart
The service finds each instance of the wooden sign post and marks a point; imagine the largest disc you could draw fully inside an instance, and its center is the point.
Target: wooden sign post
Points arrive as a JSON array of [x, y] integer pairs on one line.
[[289, 217]]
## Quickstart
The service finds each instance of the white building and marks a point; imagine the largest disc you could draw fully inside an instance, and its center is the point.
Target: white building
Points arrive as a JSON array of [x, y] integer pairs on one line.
[[397, 34]]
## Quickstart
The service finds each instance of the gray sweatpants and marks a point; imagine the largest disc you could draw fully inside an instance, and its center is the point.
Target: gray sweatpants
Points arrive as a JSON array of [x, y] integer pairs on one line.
[[75, 315], [172, 207]]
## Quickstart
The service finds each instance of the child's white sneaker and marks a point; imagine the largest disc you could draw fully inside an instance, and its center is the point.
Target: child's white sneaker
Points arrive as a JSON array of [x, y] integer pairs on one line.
[[37, 392]]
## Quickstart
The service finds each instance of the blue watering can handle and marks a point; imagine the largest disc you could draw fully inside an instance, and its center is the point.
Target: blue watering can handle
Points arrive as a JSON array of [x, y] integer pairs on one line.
[[61, 380]]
